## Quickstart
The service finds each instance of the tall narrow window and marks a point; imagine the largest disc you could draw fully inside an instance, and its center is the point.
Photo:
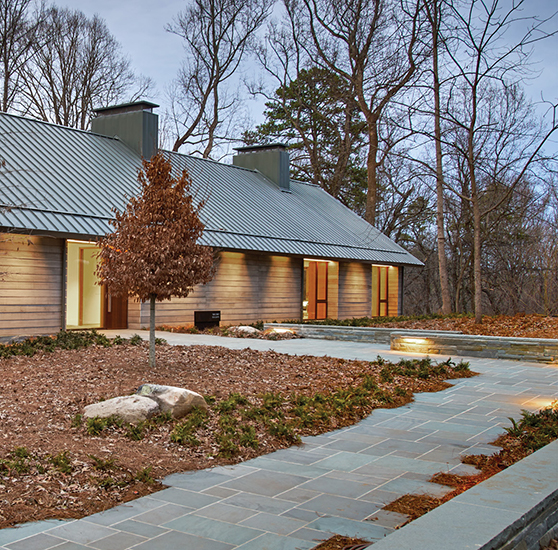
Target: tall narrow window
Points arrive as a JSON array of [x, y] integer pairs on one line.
[[315, 290], [385, 290]]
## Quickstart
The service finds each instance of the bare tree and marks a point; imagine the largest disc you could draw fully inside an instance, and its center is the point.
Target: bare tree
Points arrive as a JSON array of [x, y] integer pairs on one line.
[[216, 36], [76, 66], [489, 114], [18, 29], [433, 10], [375, 47], [153, 252]]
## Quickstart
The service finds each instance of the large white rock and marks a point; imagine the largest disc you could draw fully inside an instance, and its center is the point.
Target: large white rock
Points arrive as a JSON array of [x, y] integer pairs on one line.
[[245, 329], [131, 408], [176, 401]]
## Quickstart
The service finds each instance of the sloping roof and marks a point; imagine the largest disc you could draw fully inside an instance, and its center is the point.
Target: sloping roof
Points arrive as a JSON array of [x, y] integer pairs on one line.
[[65, 182]]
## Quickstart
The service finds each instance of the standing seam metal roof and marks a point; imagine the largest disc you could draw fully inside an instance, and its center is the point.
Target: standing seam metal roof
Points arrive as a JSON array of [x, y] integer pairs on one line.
[[61, 181]]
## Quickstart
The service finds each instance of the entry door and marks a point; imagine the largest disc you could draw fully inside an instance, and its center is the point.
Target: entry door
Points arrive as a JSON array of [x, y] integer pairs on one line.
[[115, 310], [316, 290]]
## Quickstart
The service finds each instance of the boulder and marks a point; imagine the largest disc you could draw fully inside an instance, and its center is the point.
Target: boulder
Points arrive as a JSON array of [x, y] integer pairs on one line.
[[245, 329], [132, 408], [176, 401]]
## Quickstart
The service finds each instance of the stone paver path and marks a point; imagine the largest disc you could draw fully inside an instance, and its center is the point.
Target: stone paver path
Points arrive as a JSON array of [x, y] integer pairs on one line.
[[335, 483]]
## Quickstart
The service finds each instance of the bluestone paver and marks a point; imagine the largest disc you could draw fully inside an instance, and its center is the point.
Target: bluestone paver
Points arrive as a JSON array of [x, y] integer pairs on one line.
[[333, 483]]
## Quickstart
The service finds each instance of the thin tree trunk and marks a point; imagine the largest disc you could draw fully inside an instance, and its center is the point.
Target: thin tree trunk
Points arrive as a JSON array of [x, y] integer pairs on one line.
[[372, 167], [476, 212], [152, 331], [477, 257], [442, 260]]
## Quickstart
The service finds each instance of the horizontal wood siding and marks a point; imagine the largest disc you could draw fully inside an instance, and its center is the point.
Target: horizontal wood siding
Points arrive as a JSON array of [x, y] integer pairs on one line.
[[30, 285], [246, 288], [355, 286]]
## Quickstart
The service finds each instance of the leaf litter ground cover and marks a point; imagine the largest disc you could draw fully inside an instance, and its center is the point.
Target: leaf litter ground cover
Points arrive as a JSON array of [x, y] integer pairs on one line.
[[54, 464]]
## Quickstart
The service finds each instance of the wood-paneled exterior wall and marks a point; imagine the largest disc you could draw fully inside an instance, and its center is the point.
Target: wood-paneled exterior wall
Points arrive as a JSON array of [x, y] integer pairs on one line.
[[355, 290], [246, 288], [31, 285]]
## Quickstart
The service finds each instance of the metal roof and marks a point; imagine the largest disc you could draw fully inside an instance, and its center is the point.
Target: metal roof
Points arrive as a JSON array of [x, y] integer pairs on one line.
[[65, 182]]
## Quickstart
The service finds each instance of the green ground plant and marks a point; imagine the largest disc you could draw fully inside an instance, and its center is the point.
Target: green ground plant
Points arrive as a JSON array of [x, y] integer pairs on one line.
[[78, 339]]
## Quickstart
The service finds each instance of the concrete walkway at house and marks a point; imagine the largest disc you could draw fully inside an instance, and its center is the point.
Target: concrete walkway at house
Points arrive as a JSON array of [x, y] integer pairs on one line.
[[334, 483]]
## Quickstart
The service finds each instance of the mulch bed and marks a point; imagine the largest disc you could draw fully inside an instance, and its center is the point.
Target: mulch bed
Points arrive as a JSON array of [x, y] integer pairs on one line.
[[50, 467]]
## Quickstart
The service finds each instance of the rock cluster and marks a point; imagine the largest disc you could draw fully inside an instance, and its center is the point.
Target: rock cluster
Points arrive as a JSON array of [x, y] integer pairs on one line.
[[149, 400]]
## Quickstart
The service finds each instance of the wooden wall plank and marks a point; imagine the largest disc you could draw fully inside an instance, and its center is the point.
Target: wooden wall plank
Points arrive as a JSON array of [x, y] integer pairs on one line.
[[30, 285], [246, 288], [355, 286]]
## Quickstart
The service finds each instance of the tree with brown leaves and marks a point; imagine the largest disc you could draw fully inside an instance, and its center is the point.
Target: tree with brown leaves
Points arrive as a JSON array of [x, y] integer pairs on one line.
[[153, 252]]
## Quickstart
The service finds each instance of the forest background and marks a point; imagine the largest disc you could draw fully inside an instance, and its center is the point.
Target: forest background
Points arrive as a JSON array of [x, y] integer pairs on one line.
[[413, 113]]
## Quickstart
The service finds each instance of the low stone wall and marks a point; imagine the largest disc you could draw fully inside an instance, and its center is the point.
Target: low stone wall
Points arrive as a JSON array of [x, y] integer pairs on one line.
[[355, 334], [516, 509], [454, 343], [525, 349]]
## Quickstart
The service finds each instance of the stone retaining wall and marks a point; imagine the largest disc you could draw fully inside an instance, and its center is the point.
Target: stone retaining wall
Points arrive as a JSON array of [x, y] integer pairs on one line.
[[454, 343], [355, 334], [543, 350]]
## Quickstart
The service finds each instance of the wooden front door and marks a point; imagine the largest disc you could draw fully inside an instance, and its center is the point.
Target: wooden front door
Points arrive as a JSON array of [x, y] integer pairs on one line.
[[316, 290], [115, 310]]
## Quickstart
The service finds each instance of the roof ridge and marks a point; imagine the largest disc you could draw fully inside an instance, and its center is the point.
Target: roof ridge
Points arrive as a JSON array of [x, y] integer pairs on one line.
[[59, 126], [212, 161]]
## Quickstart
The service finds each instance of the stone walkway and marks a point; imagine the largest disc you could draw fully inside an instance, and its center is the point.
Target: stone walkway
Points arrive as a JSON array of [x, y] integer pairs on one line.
[[335, 483]]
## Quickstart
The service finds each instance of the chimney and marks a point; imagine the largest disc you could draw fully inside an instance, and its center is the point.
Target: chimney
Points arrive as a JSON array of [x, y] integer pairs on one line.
[[271, 160], [134, 123]]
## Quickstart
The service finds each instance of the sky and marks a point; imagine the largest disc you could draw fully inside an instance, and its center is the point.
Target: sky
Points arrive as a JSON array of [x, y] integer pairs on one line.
[[139, 25]]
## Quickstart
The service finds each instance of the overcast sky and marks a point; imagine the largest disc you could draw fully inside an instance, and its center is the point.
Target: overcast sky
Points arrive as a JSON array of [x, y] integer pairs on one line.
[[139, 25]]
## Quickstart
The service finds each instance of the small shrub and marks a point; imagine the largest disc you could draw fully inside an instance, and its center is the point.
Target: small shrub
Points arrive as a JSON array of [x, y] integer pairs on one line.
[[135, 432], [227, 447], [248, 437], [144, 476], [184, 433], [117, 340], [77, 421], [21, 452], [95, 425], [462, 366], [62, 462], [136, 340], [160, 341], [102, 464]]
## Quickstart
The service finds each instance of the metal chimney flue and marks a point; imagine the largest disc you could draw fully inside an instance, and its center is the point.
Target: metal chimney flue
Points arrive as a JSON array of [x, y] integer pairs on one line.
[[133, 123], [271, 160]]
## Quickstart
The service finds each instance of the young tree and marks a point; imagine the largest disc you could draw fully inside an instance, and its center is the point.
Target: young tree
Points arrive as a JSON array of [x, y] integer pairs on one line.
[[153, 253]]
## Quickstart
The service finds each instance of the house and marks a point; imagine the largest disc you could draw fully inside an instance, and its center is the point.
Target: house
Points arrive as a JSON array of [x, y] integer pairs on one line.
[[284, 249]]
